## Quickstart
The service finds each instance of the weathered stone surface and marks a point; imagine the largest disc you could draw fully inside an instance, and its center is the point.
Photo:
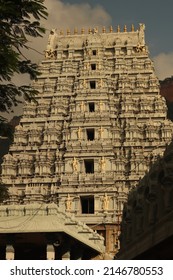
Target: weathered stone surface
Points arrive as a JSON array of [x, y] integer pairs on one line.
[[98, 125]]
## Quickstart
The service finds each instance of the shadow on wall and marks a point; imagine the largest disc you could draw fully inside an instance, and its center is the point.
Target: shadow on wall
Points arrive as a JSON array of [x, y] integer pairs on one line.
[[166, 90], [146, 228]]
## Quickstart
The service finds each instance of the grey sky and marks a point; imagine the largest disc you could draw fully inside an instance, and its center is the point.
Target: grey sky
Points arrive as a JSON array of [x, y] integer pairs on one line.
[[156, 14]]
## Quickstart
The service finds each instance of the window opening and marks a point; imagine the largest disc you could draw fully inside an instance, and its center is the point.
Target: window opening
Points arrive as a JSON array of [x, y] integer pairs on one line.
[[93, 66], [87, 204], [90, 134], [91, 107], [94, 52], [89, 165], [92, 84]]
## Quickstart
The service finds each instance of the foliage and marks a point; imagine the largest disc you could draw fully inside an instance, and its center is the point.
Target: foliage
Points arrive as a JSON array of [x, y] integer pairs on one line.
[[18, 20]]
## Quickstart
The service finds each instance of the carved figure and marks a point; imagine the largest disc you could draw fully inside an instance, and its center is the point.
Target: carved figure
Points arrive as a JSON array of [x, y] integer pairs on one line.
[[82, 106], [50, 50], [84, 83], [101, 105], [106, 202], [52, 39], [141, 34], [68, 203], [102, 164], [75, 164], [79, 133]]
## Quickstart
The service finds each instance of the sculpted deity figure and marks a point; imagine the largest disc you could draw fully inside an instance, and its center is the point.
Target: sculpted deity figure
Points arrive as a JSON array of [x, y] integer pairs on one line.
[[51, 43], [52, 39], [84, 83], [68, 203], [102, 164], [82, 106], [79, 133], [141, 34], [105, 202], [101, 105], [75, 164], [53, 188]]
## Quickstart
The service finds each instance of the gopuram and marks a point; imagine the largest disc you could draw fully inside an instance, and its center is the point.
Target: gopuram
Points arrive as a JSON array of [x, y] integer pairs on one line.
[[98, 124]]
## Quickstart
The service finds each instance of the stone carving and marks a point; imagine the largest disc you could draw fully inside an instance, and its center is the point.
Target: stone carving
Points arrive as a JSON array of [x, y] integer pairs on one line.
[[51, 47], [53, 189], [79, 132], [75, 164], [142, 34], [82, 106], [68, 203], [116, 114], [101, 105], [106, 200], [102, 164]]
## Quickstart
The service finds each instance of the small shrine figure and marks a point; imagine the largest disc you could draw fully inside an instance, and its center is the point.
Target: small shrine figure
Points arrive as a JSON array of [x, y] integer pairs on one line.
[[102, 164], [53, 188], [68, 203], [79, 133], [141, 34], [82, 106], [50, 50], [75, 164], [106, 202], [101, 105], [84, 83]]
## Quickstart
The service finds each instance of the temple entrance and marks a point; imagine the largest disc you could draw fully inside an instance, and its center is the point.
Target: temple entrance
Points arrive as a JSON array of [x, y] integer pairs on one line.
[[42, 246], [30, 251]]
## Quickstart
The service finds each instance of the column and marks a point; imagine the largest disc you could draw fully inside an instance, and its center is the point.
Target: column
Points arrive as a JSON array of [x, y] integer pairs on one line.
[[66, 256], [9, 252], [50, 252]]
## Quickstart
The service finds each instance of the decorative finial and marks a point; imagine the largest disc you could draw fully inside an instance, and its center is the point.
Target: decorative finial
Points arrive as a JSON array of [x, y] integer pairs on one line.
[[89, 31], [125, 28], [118, 28], [95, 30], [82, 31], [103, 29], [132, 28], [61, 32], [75, 31], [68, 31], [111, 29]]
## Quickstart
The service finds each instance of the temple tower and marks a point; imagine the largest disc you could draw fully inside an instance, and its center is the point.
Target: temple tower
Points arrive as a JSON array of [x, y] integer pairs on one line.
[[98, 125]]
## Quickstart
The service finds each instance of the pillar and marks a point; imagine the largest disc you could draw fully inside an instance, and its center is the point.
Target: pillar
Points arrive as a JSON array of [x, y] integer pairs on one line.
[[78, 253], [66, 256], [50, 252], [9, 252]]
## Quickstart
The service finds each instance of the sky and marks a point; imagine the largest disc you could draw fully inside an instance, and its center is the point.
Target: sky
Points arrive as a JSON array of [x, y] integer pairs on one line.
[[157, 15]]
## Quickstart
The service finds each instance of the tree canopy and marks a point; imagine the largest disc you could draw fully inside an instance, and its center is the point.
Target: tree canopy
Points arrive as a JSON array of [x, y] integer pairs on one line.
[[18, 20]]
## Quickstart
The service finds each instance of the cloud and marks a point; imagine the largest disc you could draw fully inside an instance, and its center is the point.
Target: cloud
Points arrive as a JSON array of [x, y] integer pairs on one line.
[[75, 15], [164, 65]]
